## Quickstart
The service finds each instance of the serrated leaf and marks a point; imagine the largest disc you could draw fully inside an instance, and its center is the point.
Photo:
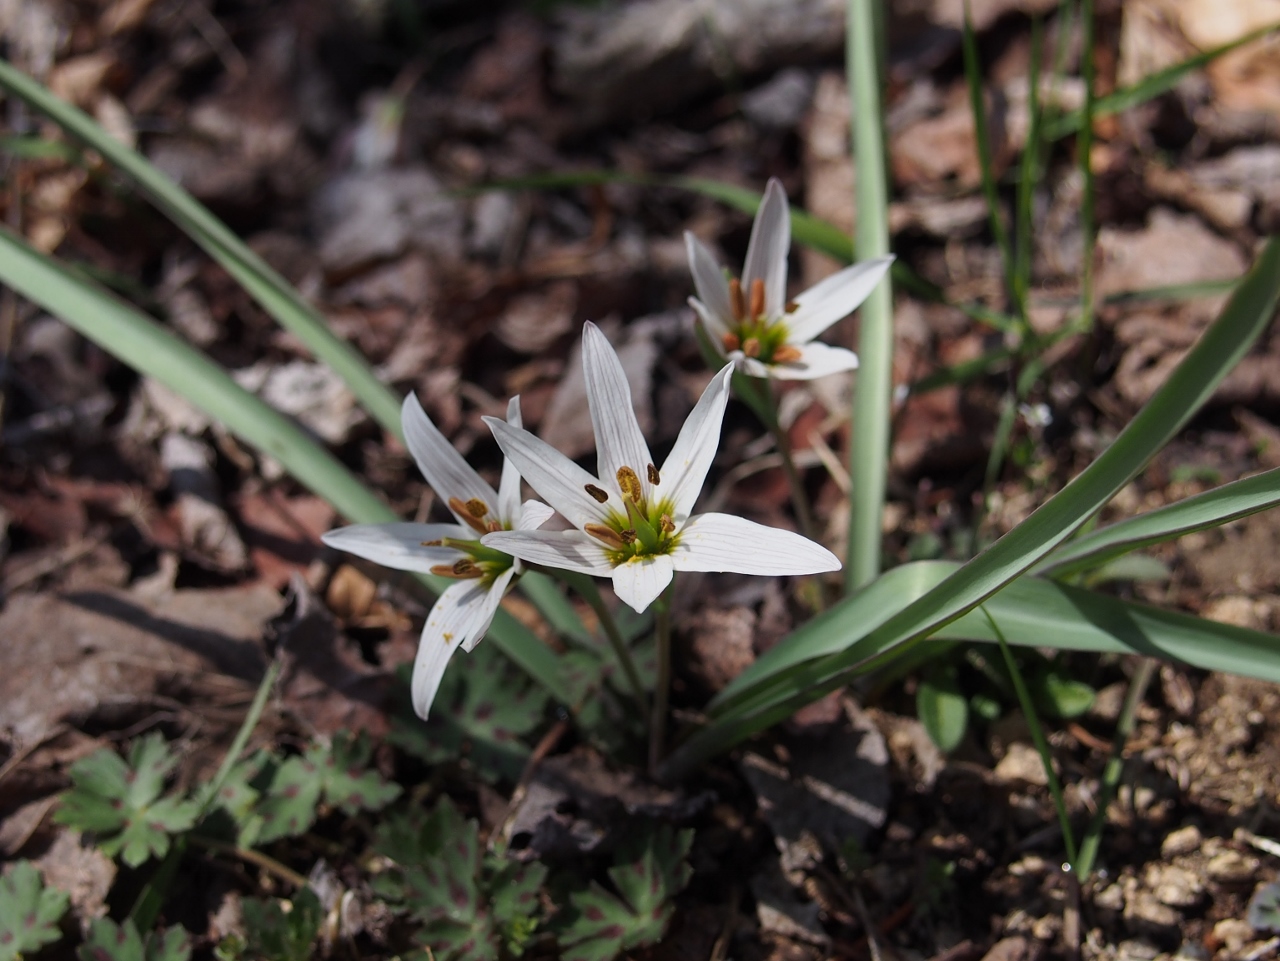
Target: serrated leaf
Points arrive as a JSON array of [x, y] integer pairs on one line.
[[481, 712], [348, 783], [110, 795], [647, 875], [289, 807], [108, 941], [29, 911], [282, 935]]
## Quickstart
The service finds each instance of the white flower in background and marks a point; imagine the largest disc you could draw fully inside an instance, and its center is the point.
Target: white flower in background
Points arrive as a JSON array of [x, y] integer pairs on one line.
[[462, 614], [633, 522], [750, 320]]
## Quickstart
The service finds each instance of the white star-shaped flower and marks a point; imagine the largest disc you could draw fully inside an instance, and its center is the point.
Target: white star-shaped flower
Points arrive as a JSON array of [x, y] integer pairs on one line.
[[750, 320], [634, 522], [464, 611]]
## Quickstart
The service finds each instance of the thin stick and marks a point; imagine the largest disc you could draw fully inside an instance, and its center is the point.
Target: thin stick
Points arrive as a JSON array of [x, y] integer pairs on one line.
[[266, 862]]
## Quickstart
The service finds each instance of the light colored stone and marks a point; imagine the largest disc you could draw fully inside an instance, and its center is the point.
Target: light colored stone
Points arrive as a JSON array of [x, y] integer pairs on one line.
[[1185, 840]]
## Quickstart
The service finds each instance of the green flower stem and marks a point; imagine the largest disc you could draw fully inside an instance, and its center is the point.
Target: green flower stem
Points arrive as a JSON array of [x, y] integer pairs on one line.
[[662, 687], [762, 398], [587, 590]]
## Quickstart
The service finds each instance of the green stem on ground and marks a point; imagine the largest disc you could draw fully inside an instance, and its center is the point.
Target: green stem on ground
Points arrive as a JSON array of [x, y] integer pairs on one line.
[[662, 686], [587, 590], [764, 401]]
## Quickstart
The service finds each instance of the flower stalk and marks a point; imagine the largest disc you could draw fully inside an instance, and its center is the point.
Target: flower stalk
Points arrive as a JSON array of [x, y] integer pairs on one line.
[[662, 686]]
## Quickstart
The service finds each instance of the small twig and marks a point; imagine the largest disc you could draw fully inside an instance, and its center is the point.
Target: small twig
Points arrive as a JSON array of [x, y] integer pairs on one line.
[[1262, 950], [544, 747], [1244, 835], [256, 858], [720, 949], [873, 942]]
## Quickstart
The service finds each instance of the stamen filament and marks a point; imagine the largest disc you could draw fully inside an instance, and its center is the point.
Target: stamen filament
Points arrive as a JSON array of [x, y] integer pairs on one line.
[[736, 301], [463, 510], [606, 534], [757, 298]]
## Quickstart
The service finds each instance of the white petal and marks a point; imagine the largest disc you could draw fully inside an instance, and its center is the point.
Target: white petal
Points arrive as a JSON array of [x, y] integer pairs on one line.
[[686, 466], [533, 514], [455, 618], [399, 545], [767, 249], [640, 580], [442, 466], [561, 482], [493, 597], [838, 296], [619, 442], [509, 486], [570, 550], [708, 279], [716, 328], [723, 542], [816, 360], [750, 366]]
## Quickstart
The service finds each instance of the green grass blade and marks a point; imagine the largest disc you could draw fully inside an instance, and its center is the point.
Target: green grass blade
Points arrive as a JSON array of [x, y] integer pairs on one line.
[[1084, 158], [1211, 509], [771, 699], [276, 296], [1150, 87], [145, 345], [1030, 170], [873, 395]]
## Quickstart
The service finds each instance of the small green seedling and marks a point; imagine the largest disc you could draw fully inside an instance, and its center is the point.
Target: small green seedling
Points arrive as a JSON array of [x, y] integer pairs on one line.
[[108, 941], [647, 875], [120, 801], [29, 911], [275, 933]]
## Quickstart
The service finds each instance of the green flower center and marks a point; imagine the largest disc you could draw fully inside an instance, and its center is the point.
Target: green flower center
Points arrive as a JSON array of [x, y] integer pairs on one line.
[[643, 528], [754, 333], [482, 563]]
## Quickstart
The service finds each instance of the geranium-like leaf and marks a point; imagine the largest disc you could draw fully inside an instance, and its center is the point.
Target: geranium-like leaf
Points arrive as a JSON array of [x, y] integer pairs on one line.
[[348, 783], [482, 711], [120, 801], [29, 911], [108, 941], [272, 932], [647, 875]]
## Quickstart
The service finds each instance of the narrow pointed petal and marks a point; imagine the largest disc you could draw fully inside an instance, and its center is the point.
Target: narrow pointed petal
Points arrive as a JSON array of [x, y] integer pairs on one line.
[[619, 442], [533, 514], [399, 545], [443, 467], [722, 542], [640, 580], [561, 482], [569, 550], [686, 466], [493, 598], [509, 486], [768, 247], [838, 296], [816, 360], [716, 328], [457, 615], [708, 278]]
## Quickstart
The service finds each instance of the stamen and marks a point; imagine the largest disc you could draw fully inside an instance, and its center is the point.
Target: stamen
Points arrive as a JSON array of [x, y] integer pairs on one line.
[[667, 524], [477, 508], [606, 534], [494, 526], [736, 303], [464, 510], [792, 306], [752, 347], [628, 536], [629, 484], [757, 298], [654, 477], [731, 342], [433, 543], [786, 354], [600, 495], [459, 570]]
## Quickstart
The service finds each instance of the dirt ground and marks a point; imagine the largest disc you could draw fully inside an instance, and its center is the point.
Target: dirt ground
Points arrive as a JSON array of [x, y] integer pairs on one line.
[[150, 564]]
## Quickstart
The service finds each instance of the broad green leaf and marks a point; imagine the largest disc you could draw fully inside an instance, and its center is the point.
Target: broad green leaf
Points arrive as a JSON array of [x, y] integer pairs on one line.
[[1211, 509], [1062, 696], [149, 348], [108, 941], [942, 706], [29, 911], [771, 699], [267, 287]]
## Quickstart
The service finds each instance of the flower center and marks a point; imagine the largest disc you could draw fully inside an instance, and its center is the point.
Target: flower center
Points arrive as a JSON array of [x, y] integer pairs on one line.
[[642, 528], [483, 563], [754, 333]]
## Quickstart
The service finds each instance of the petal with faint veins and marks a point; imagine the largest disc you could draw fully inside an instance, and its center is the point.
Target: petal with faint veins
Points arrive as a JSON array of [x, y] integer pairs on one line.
[[560, 482], [497, 591], [399, 545], [767, 249], [722, 542], [619, 442], [509, 486], [443, 467], [716, 328], [708, 279], [639, 581], [569, 550], [838, 296], [453, 619], [686, 466], [533, 514], [816, 360]]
